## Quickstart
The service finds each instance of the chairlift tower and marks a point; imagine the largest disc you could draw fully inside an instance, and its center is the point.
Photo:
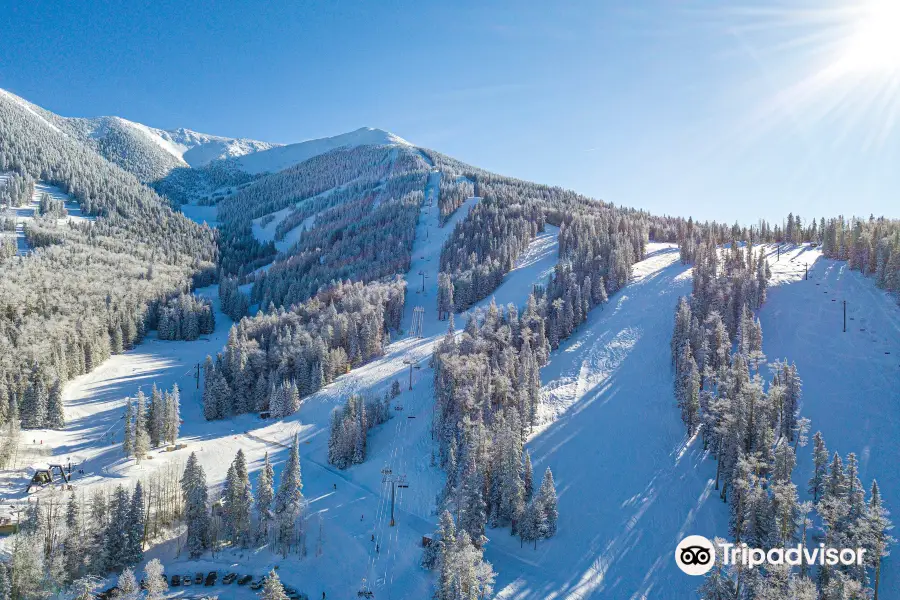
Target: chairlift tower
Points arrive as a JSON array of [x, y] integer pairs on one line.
[[418, 322], [412, 363], [396, 481]]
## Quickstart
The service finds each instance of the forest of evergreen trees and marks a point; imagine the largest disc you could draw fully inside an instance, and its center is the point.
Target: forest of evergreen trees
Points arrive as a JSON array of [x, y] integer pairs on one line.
[[84, 293], [295, 352], [752, 428], [17, 190], [350, 426]]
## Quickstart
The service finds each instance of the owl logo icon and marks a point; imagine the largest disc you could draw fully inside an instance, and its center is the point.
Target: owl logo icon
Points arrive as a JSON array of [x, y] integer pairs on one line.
[[695, 555]]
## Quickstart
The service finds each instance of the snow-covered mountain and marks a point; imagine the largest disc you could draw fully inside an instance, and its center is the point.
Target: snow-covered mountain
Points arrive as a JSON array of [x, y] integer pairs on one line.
[[282, 157], [152, 153]]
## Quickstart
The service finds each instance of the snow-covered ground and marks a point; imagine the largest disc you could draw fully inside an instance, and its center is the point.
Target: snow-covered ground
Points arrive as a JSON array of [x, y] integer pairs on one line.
[[201, 214], [851, 381], [630, 485], [354, 504], [27, 212], [282, 157]]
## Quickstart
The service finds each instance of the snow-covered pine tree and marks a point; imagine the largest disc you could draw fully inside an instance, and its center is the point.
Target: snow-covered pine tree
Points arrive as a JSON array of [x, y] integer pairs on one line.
[[173, 414], [289, 499], [238, 498], [156, 416], [55, 417], [196, 514], [265, 494], [5, 582], [128, 435], [73, 545], [141, 435], [154, 580], [547, 500], [117, 537], [135, 527], [273, 589], [528, 478], [128, 585], [210, 400], [876, 534]]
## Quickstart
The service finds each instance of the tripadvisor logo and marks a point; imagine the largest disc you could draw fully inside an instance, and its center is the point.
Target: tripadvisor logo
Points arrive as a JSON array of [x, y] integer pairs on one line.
[[696, 555]]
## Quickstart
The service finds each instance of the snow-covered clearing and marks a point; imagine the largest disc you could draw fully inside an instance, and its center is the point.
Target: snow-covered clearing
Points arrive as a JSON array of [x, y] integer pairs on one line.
[[201, 214]]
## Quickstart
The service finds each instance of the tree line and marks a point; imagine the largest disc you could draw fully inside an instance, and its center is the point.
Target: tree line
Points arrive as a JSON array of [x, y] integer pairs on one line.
[[350, 425], [151, 424]]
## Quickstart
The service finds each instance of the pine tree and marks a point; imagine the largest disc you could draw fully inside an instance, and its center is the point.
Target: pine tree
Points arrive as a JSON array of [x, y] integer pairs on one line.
[[472, 507], [73, 545], [238, 498], [173, 415], [528, 478], [877, 539], [128, 585], [289, 499], [55, 417], [128, 438], [5, 582], [193, 486], [446, 541], [135, 527], [265, 494], [548, 504], [141, 435], [156, 416], [820, 466], [117, 537]]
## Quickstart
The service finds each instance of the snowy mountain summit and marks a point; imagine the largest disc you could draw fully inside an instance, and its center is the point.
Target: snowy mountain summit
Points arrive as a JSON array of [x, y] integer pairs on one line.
[[282, 157]]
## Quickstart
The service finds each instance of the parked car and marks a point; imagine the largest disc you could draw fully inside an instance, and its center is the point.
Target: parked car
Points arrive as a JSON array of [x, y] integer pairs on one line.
[[258, 583], [176, 580], [229, 578], [244, 580], [211, 578], [198, 578], [291, 593], [187, 579]]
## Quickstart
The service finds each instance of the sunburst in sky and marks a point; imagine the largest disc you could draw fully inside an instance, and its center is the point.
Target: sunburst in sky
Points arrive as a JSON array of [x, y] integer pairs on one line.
[[838, 63]]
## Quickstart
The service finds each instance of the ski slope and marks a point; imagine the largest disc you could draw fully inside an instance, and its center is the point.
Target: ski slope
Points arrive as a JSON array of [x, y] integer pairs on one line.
[[851, 385], [27, 212], [630, 485]]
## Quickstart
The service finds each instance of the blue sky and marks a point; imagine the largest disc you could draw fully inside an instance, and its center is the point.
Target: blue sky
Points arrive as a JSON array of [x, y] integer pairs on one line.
[[676, 107]]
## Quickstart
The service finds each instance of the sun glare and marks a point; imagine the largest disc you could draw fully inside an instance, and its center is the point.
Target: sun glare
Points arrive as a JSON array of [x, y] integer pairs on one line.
[[874, 44]]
